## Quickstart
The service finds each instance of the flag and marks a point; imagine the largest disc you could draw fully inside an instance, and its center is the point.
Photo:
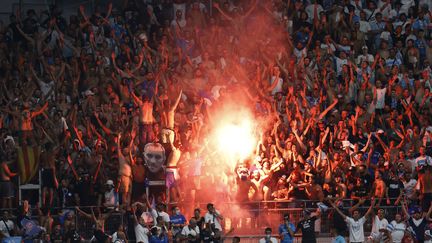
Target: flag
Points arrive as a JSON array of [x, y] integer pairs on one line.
[[28, 163], [30, 227]]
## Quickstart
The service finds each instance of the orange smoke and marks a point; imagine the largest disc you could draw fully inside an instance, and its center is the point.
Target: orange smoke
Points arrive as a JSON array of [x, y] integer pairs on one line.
[[234, 135]]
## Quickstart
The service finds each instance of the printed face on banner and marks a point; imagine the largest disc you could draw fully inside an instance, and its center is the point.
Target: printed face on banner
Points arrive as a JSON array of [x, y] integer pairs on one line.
[[154, 157]]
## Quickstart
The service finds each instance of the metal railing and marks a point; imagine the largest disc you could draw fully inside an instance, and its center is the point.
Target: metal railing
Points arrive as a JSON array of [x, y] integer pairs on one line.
[[248, 219]]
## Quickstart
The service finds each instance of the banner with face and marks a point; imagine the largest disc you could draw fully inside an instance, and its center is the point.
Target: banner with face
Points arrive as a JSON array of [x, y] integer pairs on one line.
[[155, 158]]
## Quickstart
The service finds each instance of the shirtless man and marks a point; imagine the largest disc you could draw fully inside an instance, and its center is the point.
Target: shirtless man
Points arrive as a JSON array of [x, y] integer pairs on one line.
[[262, 192], [146, 119], [25, 120], [99, 221], [125, 173], [425, 187], [379, 187], [138, 173], [238, 20], [49, 179], [314, 191], [6, 186], [171, 171], [167, 119]]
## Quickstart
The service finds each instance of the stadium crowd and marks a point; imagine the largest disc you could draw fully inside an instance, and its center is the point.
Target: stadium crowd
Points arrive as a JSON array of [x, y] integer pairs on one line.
[[103, 102]]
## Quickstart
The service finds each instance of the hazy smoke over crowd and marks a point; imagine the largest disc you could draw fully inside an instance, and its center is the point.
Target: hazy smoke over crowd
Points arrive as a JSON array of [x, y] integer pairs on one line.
[[233, 130]]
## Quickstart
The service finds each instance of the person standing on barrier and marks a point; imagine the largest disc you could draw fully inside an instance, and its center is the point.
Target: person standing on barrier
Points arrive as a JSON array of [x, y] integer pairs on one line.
[[99, 220], [355, 224], [7, 192], [286, 230], [307, 226]]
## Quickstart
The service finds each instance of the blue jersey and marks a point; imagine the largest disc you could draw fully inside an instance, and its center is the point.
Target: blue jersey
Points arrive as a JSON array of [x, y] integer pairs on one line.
[[283, 230], [339, 239]]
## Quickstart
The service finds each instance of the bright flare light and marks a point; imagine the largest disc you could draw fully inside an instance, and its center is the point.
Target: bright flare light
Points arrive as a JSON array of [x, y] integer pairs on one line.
[[237, 140]]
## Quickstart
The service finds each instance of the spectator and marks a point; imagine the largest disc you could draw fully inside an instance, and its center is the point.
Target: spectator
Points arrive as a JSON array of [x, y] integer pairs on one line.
[[110, 196], [212, 218], [7, 226], [286, 230], [397, 229], [339, 92], [268, 238], [141, 230], [356, 223], [7, 190], [178, 221], [307, 225], [190, 232], [338, 238], [379, 225], [417, 220]]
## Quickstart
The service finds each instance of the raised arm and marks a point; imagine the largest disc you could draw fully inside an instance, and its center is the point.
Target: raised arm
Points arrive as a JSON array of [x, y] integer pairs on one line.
[[7, 170], [69, 160], [119, 148], [23, 34], [371, 208], [141, 59], [324, 113], [216, 5], [338, 210], [177, 101], [428, 214], [133, 208], [404, 209], [84, 213], [104, 128], [383, 145], [136, 99], [40, 111], [367, 143], [251, 9]]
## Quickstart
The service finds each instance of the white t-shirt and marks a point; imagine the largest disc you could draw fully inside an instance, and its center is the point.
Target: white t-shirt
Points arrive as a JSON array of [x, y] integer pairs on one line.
[[328, 47], [278, 87], [188, 231], [178, 24], [380, 98], [141, 233], [369, 58], [398, 231], [365, 26], [155, 214], [272, 240], [210, 218], [310, 10], [339, 64], [4, 229], [46, 87], [356, 231], [409, 187], [377, 225]]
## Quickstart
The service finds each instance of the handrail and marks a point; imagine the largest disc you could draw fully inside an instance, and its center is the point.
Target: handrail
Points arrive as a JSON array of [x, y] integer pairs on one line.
[[303, 202]]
